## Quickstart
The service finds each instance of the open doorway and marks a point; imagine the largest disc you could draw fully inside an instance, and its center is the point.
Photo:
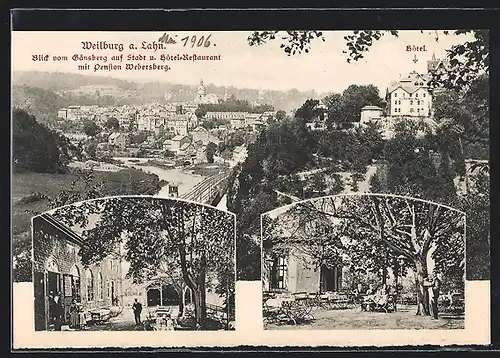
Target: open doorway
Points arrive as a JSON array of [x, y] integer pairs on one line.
[[328, 279]]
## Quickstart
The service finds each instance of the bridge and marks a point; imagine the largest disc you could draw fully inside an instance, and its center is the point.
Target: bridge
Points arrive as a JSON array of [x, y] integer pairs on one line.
[[211, 190]]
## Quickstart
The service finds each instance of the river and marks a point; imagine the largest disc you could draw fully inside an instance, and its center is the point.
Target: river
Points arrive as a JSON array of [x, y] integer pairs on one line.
[[185, 181]]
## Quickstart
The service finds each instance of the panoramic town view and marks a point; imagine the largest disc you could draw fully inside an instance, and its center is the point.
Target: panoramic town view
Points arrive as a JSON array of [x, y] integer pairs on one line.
[[281, 118]]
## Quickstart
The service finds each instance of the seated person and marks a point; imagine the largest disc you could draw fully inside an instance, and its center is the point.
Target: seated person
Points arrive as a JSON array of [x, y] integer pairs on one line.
[[381, 297], [369, 299], [358, 293]]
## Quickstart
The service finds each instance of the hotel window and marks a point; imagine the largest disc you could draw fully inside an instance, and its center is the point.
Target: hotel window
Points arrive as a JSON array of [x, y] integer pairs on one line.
[[418, 102], [100, 286], [278, 273], [411, 103], [399, 102], [424, 94]]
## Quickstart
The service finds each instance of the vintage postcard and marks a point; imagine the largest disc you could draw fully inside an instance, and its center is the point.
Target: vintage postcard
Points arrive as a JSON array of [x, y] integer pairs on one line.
[[250, 188]]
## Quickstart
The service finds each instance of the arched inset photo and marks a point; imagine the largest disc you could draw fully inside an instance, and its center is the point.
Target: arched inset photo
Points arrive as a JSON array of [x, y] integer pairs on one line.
[[364, 261], [134, 263]]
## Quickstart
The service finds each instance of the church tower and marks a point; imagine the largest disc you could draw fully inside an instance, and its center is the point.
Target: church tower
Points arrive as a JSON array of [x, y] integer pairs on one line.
[[201, 92]]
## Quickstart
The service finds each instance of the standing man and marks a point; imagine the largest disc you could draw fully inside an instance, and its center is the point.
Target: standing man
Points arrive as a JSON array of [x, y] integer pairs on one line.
[[58, 312], [137, 307], [434, 286]]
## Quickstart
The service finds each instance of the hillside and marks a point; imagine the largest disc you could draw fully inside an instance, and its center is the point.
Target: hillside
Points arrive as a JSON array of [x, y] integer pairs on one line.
[[156, 91], [39, 102]]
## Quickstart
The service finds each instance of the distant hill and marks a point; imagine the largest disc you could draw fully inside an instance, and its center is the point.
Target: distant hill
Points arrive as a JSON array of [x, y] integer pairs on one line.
[[57, 81], [156, 91], [39, 102]]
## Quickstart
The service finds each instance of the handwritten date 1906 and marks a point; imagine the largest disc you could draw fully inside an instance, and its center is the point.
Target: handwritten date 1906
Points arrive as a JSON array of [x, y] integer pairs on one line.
[[194, 41]]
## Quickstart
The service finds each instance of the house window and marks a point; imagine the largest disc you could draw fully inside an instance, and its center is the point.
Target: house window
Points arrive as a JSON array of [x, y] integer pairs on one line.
[[278, 273], [424, 94], [399, 101], [90, 285], [411, 102], [410, 94], [411, 109], [395, 94], [418, 102], [416, 95]]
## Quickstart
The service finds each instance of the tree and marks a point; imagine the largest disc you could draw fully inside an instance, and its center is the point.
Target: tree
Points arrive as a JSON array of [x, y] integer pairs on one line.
[[138, 138], [197, 239], [374, 229], [476, 203], [356, 97], [464, 118], [112, 123], [280, 115], [333, 103], [210, 151], [309, 110], [468, 60], [91, 128], [37, 148]]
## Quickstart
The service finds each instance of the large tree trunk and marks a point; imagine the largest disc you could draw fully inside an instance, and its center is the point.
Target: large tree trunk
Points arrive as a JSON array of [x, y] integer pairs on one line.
[[422, 292], [200, 298], [180, 292], [384, 269]]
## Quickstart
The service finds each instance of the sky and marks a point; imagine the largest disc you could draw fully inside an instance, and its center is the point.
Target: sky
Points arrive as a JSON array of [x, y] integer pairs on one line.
[[323, 69]]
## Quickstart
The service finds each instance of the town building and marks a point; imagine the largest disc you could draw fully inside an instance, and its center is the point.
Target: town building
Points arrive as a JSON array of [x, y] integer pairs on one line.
[[226, 115], [410, 96], [203, 98], [62, 113], [240, 153], [73, 113], [178, 142], [293, 273], [181, 124], [202, 134], [371, 113], [237, 123], [294, 269], [57, 267]]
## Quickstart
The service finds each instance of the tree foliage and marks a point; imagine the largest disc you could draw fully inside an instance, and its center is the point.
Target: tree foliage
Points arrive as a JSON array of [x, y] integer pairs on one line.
[[37, 148], [198, 239], [91, 128], [468, 60], [112, 123], [346, 107], [210, 151]]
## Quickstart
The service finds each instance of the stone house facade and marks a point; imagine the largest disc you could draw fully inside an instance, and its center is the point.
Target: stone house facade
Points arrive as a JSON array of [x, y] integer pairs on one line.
[[57, 267]]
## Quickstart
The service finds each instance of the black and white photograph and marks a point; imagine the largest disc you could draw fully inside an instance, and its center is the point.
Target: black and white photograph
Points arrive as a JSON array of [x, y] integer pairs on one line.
[[134, 263], [369, 261]]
